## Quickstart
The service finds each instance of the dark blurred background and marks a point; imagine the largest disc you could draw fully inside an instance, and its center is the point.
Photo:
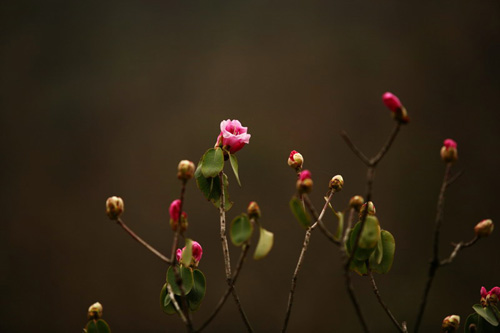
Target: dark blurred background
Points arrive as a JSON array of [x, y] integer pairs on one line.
[[104, 98]]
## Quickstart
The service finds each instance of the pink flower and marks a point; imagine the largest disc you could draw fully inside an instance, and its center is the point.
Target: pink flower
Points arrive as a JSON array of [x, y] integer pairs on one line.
[[495, 290], [306, 174], [490, 297], [232, 135], [391, 101], [175, 209], [197, 252], [484, 293]]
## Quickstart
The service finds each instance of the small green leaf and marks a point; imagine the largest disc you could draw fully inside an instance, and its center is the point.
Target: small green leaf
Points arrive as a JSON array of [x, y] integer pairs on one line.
[[487, 313], [206, 185], [97, 326], [361, 253], [359, 267], [165, 302], [198, 292], [299, 212], [216, 200], [212, 162], [234, 165], [187, 279], [241, 230], [264, 245], [187, 254], [388, 248]]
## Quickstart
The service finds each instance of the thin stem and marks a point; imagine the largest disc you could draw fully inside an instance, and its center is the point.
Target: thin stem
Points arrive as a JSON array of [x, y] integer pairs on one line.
[[401, 327], [374, 161], [458, 247], [347, 229], [176, 305], [143, 242], [318, 219], [434, 265], [305, 245], [224, 297], [240, 308], [354, 301], [354, 148]]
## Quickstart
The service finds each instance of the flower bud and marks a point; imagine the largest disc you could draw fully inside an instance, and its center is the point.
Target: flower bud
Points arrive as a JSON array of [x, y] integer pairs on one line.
[[489, 297], [95, 311], [197, 252], [356, 202], [295, 160], [305, 183], [114, 207], [185, 170], [253, 210], [184, 223], [484, 228], [336, 183], [449, 153], [393, 103], [451, 323], [371, 209]]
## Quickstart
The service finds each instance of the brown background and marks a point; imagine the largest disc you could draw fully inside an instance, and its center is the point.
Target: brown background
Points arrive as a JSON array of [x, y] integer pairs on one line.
[[104, 98]]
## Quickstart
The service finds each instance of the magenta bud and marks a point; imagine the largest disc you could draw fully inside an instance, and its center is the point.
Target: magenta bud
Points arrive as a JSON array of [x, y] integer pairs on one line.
[[393, 103], [305, 183], [449, 152], [295, 160]]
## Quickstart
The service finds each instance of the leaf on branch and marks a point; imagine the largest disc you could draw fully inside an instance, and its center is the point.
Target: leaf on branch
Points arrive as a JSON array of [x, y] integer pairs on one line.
[[241, 230], [195, 297], [212, 162], [264, 245], [387, 246], [299, 212], [165, 302], [187, 279], [486, 313], [234, 165]]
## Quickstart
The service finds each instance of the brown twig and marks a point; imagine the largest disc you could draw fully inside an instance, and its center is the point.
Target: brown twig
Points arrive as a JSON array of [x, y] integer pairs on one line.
[[458, 247], [141, 241], [224, 297], [225, 251], [401, 327], [303, 253], [318, 218]]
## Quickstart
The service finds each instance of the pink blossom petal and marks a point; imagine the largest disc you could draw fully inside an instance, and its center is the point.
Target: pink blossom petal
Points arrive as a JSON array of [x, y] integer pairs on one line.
[[174, 210], [391, 101], [484, 293]]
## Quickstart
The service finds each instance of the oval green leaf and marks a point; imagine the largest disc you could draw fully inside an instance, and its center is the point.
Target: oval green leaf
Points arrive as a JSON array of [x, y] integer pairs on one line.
[[212, 162], [234, 165], [216, 199], [359, 266], [486, 313], [264, 245], [299, 212], [97, 326], [187, 254], [197, 294], [165, 302], [371, 233], [361, 253], [187, 279], [388, 249], [241, 230]]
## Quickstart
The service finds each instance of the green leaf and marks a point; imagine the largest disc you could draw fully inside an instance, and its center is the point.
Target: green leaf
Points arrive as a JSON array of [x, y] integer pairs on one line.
[[388, 245], [234, 165], [187, 279], [264, 245], [241, 229], [487, 313], [362, 254], [198, 292], [299, 212], [165, 302], [210, 187], [97, 326], [187, 254], [471, 319], [212, 162], [359, 266], [216, 200]]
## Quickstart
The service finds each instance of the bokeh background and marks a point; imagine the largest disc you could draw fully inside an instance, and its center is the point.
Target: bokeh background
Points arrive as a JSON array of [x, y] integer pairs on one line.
[[104, 98]]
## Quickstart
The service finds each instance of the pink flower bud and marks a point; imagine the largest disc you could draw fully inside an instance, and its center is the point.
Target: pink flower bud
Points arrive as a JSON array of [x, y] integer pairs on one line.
[[178, 255], [175, 210], [449, 153], [233, 136], [484, 228], [394, 104], [451, 323], [185, 170], [336, 183], [484, 293], [197, 251], [496, 291], [295, 160], [306, 174], [253, 210], [490, 297], [391, 101]]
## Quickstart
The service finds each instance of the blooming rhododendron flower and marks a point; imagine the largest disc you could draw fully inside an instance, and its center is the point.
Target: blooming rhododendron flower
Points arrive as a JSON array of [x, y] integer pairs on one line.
[[232, 135]]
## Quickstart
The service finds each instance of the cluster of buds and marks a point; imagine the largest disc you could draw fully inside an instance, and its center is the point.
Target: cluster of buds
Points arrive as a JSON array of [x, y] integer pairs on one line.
[[399, 112], [175, 216], [305, 183], [484, 228], [197, 252], [185, 170], [449, 153], [295, 160], [356, 202], [371, 209], [489, 297], [253, 210], [95, 311], [336, 183], [114, 207], [451, 323]]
